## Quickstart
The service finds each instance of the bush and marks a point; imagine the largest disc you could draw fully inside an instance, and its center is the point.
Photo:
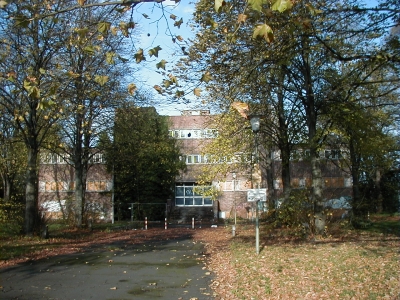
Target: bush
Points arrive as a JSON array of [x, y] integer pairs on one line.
[[296, 213], [11, 218]]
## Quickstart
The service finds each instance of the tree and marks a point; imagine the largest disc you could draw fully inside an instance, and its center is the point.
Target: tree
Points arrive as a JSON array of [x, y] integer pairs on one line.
[[28, 89], [97, 72], [143, 157], [12, 160], [300, 63]]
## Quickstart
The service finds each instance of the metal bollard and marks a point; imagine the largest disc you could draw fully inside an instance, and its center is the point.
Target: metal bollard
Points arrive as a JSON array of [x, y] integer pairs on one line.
[[192, 223], [145, 223], [233, 230], [165, 224]]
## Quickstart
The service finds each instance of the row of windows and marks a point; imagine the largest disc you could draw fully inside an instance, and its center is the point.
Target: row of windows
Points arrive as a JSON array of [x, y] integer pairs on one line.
[[241, 158], [65, 186], [328, 182], [190, 194], [208, 159], [193, 133], [299, 154], [53, 158]]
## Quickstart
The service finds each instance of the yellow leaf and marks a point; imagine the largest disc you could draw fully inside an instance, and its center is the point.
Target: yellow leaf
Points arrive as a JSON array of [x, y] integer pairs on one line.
[[197, 92], [139, 56], [241, 107], [218, 5], [102, 80], [264, 31], [242, 18], [158, 89], [132, 88], [81, 2], [161, 64]]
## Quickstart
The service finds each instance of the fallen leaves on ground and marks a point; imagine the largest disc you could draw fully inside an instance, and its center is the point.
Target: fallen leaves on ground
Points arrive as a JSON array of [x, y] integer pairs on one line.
[[355, 265]]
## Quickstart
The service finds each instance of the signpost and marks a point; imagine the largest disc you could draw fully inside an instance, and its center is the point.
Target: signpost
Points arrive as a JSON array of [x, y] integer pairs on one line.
[[254, 195]]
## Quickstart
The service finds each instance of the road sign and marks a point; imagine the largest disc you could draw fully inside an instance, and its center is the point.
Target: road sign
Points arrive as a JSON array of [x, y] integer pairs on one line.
[[256, 195]]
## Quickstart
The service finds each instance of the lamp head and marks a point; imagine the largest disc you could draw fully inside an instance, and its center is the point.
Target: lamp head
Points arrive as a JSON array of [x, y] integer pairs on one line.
[[255, 123]]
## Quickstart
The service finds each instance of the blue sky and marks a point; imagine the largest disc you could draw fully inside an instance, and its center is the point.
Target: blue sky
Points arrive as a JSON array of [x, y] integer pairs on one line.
[[154, 33]]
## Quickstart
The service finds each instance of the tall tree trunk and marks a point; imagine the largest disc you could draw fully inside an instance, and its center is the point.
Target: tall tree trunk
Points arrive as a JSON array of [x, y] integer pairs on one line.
[[283, 137], [7, 183], [311, 118], [271, 197], [355, 174], [31, 192], [78, 194], [379, 197]]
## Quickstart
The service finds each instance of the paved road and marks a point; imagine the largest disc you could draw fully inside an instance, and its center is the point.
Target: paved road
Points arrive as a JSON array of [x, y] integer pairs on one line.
[[171, 269]]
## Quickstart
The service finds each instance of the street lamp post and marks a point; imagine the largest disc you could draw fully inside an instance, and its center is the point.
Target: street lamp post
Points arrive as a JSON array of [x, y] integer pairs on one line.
[[255, 126], [234, 190]]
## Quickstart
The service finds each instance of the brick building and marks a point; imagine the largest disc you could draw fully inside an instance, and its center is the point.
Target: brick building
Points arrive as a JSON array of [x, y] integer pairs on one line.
[[193, 129], [56, 188]]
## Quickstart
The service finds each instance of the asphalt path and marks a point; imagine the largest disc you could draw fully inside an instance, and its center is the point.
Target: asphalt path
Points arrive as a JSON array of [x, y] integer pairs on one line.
[[172, 269]]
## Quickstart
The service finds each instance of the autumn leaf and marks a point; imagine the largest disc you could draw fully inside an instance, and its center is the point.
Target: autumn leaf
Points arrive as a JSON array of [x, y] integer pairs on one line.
[[257, 4], [219, 4], [282, 5], [139, 57], [82, 32], [103, 27], [242, 18], [158, 89], [241, 107], [206, 77], [179, 94], [161, 64], [81, 2], [173, 17], [110, 58], [167, 83], [146, 16], [33, 90], [90, 50], [179, 38], [178, 23], [154, 51], [132, 88], [173, 79], [197, 92], [102, 80], [265, 32]]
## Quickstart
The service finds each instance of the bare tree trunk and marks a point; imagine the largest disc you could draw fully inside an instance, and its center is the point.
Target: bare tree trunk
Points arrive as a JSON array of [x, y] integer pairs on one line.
[[379, 200], [31, 192]]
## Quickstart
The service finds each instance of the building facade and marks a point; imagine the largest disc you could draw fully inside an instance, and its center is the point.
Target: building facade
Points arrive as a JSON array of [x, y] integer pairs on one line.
[[193, 130], [57, 186]]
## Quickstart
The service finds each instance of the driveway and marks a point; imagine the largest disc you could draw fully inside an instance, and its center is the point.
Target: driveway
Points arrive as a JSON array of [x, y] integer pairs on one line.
[[169, 269]]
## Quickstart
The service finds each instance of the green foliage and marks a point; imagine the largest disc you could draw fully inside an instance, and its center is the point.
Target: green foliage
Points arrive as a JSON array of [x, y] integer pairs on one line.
[[143, 158], [11, 218], [296, 213]]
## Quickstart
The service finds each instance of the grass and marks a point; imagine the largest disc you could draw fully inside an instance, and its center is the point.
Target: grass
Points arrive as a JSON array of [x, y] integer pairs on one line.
[[353, 264]]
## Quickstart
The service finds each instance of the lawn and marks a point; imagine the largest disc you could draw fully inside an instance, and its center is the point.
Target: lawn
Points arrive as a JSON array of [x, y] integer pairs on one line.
[[352, 264]]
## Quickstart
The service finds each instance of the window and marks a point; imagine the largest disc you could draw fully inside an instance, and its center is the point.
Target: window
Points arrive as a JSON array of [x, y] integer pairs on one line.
[[193, 133], [53, 158], [333, 154], [97, 158], [190, 194]]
